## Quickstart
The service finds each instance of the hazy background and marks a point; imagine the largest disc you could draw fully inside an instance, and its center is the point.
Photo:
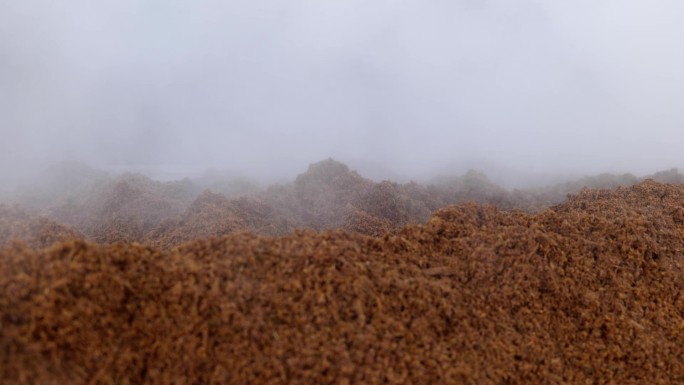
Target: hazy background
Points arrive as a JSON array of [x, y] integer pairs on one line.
[[393, 88]]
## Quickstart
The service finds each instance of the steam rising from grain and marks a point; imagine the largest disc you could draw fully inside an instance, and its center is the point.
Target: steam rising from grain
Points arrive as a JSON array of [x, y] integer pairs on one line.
[[397, 88]]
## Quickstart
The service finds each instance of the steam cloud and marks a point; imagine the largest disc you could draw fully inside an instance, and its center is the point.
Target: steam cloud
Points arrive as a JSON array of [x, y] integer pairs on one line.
[[268, 86]]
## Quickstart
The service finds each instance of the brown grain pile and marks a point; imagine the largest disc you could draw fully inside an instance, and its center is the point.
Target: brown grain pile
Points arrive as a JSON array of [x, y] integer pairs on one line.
[[329, 195], [18, 225], [214, 215], [591, 291], [124, 210]]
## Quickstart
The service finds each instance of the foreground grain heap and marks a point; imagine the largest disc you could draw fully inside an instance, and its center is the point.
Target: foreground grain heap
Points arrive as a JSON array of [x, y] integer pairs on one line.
[[590, 291]]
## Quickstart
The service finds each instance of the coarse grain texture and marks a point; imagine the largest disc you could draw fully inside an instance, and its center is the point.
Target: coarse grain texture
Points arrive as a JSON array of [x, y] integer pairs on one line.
[[589, 291]]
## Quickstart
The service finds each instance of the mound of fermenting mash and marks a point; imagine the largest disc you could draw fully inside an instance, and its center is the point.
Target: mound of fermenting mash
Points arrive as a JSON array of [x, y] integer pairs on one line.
[[588, 292]]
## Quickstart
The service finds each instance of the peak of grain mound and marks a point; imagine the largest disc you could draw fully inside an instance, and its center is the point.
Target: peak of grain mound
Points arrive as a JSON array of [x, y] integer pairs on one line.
[[320, 199], [125, 209], [128, 210], [321, 194], [587, 292], [214, 215]]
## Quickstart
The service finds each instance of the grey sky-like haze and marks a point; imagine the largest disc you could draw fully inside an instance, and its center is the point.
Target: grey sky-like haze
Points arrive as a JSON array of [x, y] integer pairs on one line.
[[268, 86]]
